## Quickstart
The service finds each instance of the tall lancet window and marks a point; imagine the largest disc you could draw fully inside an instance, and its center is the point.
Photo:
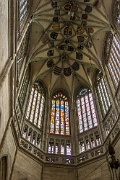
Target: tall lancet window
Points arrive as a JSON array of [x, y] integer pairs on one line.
[[103, 95], [59, 123], [86, 110], [36, 104], [112, 51]]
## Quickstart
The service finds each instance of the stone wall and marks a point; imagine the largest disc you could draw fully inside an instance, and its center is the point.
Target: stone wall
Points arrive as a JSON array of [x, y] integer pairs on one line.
[[25, 168], [4, 88], [59, 173], [96, 170], [8, 149]]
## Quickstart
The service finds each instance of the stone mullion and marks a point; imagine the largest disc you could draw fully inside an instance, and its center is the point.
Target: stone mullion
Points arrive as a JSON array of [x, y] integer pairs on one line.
[[54, 148], [115, 61], [86, 112], [31, 104], [39, 108], [59, 116], [90, 109], [35, 108], [117, 40], [76, 131], [46, 128], [44, 125], [64, 120], [111, 74], [98, 113], [72, 126], [114, 104], [105, 95], [65, 151], [101, 99], [82, 114], [55, 119]]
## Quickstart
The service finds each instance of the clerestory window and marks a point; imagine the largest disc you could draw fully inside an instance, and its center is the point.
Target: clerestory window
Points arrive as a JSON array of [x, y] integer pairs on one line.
[[59, 123], [113, 60], [86, 110], [103, 95], [36, 104]]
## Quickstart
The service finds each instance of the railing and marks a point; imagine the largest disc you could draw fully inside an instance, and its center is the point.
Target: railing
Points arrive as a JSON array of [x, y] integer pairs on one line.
[[69, 159], [61, 159], [32, 149]]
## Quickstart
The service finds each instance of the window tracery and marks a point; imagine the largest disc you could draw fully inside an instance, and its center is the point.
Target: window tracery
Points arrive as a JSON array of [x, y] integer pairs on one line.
[[21, 54], [59, 146], [112, 47], [36, 103], [59, 123], [32, 135], [86, 110], [23, 13], [103, 94], [23, 89], [89, 141]]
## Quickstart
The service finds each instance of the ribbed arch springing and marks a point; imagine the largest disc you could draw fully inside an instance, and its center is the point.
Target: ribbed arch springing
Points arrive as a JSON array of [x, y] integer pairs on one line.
[[86, 110], [36, 105]]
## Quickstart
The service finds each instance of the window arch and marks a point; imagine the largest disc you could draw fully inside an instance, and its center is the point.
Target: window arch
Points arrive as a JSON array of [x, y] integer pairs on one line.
[[86, 110], [59, 123], [36, 104], [103, 95], [112, 47]]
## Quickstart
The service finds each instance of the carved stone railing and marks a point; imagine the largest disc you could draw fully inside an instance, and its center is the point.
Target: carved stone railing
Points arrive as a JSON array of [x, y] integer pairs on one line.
[[88, 155], [98, 151], [61, 159], [32, 149]]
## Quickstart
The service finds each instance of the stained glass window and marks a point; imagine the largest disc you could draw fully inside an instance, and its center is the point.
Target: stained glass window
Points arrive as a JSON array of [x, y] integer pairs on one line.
[[59, 123], [113, 62], [103, 95], [36, 105], [86, 111]]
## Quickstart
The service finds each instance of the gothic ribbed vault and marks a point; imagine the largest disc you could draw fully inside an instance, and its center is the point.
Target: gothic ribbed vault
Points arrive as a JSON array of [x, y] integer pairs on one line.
[[66, 42]]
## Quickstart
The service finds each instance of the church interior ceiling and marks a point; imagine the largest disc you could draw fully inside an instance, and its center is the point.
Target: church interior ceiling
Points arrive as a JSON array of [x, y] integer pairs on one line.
[[66, 42]]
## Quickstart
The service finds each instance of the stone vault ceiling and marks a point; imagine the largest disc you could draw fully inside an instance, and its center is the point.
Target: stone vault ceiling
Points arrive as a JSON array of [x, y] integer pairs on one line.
[[66, 42]]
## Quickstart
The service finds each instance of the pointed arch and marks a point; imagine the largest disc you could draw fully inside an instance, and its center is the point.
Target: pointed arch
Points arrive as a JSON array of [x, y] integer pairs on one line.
[[87, 117], [36, 103], [60, 115]]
